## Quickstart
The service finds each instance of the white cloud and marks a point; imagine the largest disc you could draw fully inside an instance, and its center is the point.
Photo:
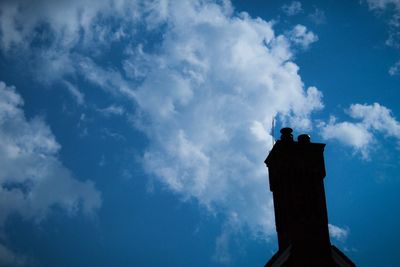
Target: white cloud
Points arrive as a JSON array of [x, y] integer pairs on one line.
[[393, 8], [210, 96], [395, 69], [76, 93], [222, 253], [32, 178], [110, 79], [381, 4], [50, 65], [302, 37], [112, 110], [293, 8], [351, 134], [372, 119], [339, 234], [73, 21], [58, 27], [223, 243], [318, 16], [376, 117]]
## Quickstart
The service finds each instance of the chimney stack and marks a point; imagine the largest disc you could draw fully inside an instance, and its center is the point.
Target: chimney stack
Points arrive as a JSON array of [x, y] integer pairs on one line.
[[296, 179]]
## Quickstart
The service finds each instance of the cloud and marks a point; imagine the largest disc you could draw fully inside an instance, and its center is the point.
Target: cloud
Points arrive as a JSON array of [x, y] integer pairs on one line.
[[223, 243], [292, 9], [112, 110], [361, 135], [302, 37], [392, 7], [381, 4], [318, 16], [205, 90], [75, 93], [355, 135], [209, 97], [51, 36], [110, 80], [32, 178], [395, 69], [222, 253], [72, 20], [376, 117], [339, 234]]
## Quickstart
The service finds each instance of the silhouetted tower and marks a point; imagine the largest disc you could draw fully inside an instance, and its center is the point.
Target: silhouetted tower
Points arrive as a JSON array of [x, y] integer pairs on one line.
[[296, 179]]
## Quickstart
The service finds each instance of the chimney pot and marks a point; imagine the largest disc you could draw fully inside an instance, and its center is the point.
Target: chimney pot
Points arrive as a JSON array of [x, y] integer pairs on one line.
[[287, 134], [304, 138]]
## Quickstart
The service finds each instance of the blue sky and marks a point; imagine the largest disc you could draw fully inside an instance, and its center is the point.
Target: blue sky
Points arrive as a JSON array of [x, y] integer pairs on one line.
[[133, 133]]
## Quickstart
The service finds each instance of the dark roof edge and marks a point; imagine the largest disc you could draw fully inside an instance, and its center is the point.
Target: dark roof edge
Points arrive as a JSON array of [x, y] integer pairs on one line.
[[342, 256]]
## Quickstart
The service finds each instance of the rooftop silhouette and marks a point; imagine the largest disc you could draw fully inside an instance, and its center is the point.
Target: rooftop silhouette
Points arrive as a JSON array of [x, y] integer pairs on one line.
[[296, 179]]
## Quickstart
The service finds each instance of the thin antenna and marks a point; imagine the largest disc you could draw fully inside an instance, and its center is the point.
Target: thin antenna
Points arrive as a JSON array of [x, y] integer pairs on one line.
[[273, 131]]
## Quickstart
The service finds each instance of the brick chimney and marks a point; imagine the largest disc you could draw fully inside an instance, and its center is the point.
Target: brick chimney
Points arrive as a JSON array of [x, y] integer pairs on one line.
[[296, 179]]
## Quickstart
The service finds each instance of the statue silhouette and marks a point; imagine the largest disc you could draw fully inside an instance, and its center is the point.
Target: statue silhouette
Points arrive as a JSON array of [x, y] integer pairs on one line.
[[296, 179]]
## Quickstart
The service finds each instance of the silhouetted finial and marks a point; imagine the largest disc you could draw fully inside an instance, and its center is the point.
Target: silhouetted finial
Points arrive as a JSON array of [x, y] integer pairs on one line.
[[304, 138], [286, 134]]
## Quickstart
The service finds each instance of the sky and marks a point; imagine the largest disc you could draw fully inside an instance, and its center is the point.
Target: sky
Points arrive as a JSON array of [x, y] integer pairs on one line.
[[133, 133]]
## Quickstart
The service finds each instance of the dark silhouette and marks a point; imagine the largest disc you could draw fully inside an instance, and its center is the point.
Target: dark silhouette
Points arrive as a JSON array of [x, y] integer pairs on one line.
[[296, 179]]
